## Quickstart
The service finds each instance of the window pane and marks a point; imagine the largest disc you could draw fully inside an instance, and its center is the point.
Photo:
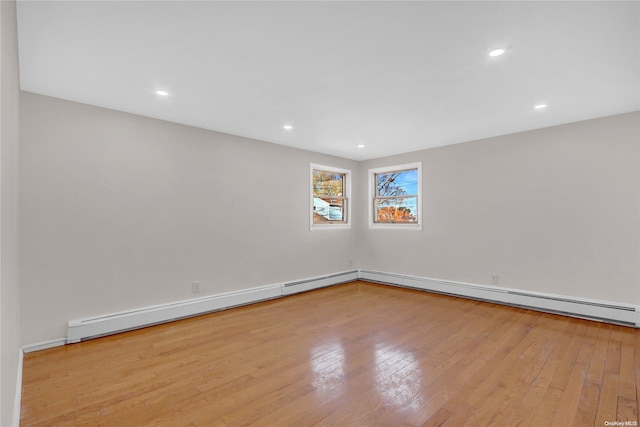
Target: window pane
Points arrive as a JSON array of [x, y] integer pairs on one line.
[[397, 183], [328, 183], [327, 209], [396, 210]]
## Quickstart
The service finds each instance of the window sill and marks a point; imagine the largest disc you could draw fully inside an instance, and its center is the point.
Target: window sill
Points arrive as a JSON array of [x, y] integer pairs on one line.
[[317, 227], [416, 227]]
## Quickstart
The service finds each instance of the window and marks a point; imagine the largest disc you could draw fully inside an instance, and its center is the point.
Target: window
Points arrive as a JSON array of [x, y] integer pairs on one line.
[[396, 196], [330, 188]]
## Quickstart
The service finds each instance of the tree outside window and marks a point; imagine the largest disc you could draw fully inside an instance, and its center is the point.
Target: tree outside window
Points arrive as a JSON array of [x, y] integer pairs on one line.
[[396, 195], [330, 188]]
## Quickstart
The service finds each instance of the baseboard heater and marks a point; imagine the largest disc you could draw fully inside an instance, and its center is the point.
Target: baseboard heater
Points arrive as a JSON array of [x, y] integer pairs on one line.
[[94, 327], [319, 282], [604, 311]]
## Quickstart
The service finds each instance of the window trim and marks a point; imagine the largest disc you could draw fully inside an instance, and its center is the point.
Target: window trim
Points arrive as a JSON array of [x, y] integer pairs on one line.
[[347, 197], [372, 197]]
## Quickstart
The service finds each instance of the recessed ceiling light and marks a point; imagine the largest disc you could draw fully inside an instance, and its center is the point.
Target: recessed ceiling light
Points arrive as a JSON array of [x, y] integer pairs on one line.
[[496, 52], [287, 127], [540, 106], [360, 145], [162, 93]]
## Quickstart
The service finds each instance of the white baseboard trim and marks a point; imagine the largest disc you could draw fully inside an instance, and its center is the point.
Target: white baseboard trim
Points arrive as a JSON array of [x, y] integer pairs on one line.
[[604, 311], [15, 422], [81, 329], [43, 345]]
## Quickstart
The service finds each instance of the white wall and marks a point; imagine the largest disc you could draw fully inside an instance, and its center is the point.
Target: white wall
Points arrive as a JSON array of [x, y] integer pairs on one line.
[[9, 289], [120, 211], [552, 210]]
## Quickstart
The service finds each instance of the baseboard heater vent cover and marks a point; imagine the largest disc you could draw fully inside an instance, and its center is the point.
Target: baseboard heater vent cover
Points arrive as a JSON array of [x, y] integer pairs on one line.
[[94, 327], [319, 282], [78, 330], [603, 311]]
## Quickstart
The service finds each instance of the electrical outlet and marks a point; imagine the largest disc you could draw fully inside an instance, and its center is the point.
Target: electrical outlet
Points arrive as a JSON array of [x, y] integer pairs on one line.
[[195, 287], [495, 279]]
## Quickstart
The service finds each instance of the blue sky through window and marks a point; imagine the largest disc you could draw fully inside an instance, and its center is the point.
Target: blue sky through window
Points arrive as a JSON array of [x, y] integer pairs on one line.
[[405, 183], [407, 180]]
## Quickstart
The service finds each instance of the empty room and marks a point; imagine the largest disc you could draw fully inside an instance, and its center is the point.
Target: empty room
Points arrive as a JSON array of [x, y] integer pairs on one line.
[[319, 213]]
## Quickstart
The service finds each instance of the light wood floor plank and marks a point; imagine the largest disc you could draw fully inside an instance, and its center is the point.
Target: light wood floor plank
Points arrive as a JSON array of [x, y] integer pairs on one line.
[[608, 401], [358, 354]]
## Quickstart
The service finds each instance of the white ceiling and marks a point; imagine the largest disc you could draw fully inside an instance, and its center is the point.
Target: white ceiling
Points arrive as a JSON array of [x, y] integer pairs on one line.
[[394, 76]]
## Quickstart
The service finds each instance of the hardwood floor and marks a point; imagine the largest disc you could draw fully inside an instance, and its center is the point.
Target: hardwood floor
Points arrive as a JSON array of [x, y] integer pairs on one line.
[[358, 354]]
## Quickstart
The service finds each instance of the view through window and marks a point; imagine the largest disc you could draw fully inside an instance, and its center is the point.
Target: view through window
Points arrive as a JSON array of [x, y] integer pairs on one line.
[[396, 197], [330, 195]]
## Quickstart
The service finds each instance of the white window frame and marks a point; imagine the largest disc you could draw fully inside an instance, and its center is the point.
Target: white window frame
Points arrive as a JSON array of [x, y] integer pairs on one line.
[[346, 196], [372, 197]]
